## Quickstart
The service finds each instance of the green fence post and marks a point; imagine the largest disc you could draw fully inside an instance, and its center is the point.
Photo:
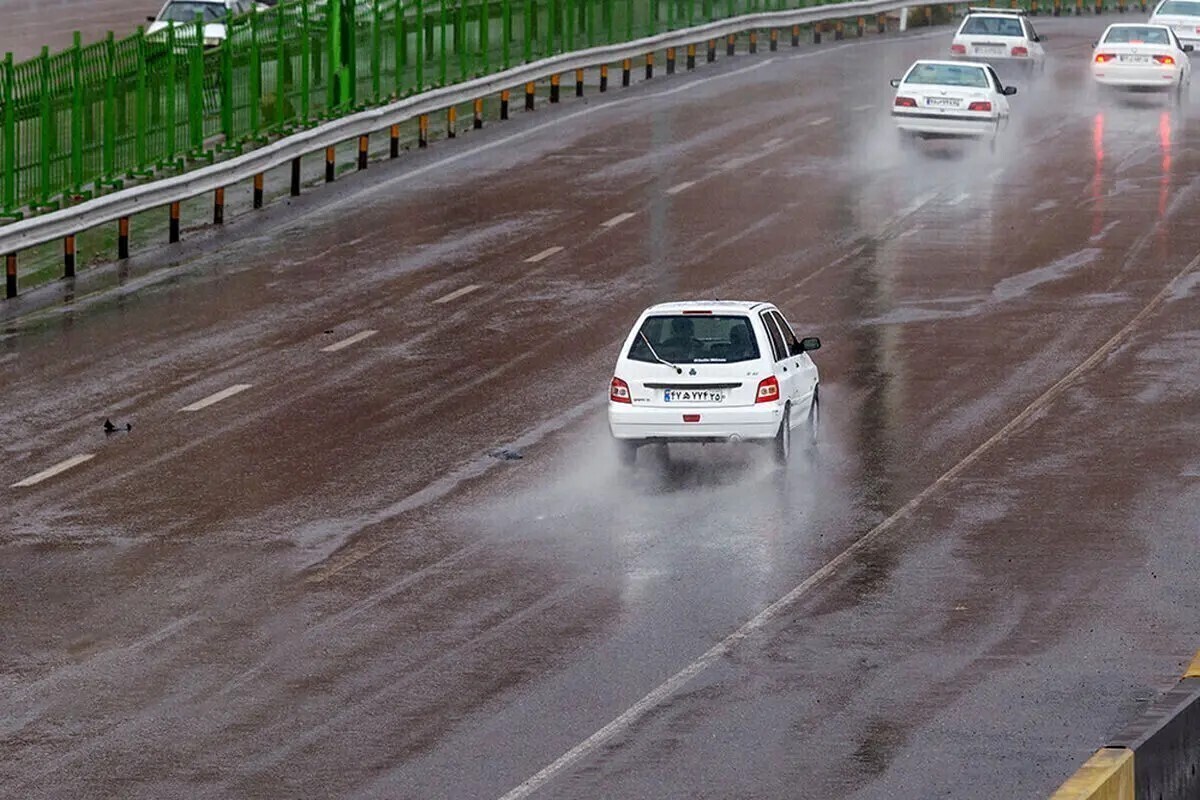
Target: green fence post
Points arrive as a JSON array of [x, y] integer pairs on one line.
[[376, 54], [349, 54], [305, 64], [421, 54], [255, 79], [47, 126], [10, 135], [444, 56], [171, 99], [333, 30], [227, 89], [195, 93], [460, 42], [109, 145], [589, 21], [629, 20], [707, 11], [569, 22], [77, 114], [506, 34], [401, 52], [485, 30], [528, 31], [141, 105], [282, 70], [607, 14]]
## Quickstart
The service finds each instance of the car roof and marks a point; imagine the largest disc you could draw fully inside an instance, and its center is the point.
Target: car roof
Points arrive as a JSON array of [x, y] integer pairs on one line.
[[707, 305], [996, 12], [948, 63], [1158, 25]]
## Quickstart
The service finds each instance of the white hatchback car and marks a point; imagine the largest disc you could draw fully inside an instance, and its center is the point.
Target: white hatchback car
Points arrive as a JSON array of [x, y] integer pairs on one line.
[[713, 371], [951, 99], [1141, 56], [1181, 16], [999, 36]]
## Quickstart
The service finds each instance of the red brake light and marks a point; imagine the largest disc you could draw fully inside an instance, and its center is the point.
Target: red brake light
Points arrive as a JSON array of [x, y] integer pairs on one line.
[[618, 391], [1020, 51], [691, 417], [906, 102], [1166, 61], [980, 105], [1104, 58], [768, 390], [958, 49], [692, 313]]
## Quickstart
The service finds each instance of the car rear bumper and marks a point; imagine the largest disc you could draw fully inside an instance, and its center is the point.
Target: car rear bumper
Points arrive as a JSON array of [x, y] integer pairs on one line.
[[949, 125], [715, 424], [1136, 77]]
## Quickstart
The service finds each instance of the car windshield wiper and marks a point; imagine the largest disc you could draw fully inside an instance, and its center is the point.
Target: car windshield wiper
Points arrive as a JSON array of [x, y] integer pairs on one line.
[[657, 357]]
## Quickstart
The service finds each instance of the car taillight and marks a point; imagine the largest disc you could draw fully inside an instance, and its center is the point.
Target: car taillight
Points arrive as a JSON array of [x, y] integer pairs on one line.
[[980, 105], [1020, 51], [618, 391], [1104, 58], [906, 102], [958, 49], [768, 390], [1166, 61]]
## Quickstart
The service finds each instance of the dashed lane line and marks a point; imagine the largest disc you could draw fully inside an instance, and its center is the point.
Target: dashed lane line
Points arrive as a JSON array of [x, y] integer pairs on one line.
[[457, 293], [819, 121], [60, 467], [344, 343], [224, 394], [618, 219], [542, 256], [679, 187]]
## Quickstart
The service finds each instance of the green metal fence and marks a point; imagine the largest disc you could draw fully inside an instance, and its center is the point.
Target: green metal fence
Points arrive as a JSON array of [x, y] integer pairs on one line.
[[79, 122]]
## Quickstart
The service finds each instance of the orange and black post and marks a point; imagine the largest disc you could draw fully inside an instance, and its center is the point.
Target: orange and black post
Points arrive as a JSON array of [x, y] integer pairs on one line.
[[295, 187], [364, 147], [649, 66], [1057, 7], [258, 190], [882, 22], [839, 29], [173, 229], [123, 237], [504, 97], [691, 56], [670, 60], [626, 66], [753, 41], [10, 275], [529, 95], [731, 44], [711, 56], [1079, 8], [219, 206], [816, 33], [795, 36], [478, 114], [69, 256], [579, 83], [862, 23], [394, 133], [1033, 7], [1099, 7], [774, 40], [451, 122], [554, 79], [423, 130], [604, 77]]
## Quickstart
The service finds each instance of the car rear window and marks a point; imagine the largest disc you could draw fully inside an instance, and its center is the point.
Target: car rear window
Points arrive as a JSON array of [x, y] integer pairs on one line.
[[1181, 8], [947, 75], [183, 11], [1137, 35], [696, 339], [992, 26]]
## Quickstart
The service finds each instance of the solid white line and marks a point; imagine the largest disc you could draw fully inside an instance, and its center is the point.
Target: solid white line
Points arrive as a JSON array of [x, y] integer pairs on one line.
[[216, 398], [355, 339], [772, 143], [549, 251], [669, 687], [679, 187], [618, 219], [819, 121], [62, 466], [457, 293]]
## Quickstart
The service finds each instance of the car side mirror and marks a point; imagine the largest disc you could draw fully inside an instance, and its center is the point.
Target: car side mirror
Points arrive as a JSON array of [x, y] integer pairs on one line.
[[895, 83], [809, 343], [1187, 48], [1010, 90]]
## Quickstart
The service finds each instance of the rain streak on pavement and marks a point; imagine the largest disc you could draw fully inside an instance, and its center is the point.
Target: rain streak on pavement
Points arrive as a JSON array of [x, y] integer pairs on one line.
[[319, 582]]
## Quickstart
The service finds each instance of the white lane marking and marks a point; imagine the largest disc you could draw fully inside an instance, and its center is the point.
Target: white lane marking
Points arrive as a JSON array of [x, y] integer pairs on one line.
[[457, 293], [819, 121], [549, 251], [670, 686], [62, 466], [772, 143], [867, 107], [679, 187], [618, 219], [218, 397], [355, 339]]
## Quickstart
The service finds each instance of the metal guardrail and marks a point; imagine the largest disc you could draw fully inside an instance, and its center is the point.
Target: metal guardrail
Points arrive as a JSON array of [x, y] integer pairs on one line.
[[124, 203]]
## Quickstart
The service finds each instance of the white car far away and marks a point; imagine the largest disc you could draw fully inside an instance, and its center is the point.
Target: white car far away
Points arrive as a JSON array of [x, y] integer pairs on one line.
[[1142, 57], [998, 36], [951, 99], [213, 14], [713, 371], [1181, 16]]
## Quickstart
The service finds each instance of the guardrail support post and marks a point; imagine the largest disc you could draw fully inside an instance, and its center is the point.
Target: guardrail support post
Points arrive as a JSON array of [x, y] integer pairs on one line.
[[670, 60], [1099, 7], [604, 77], [862, 23], [753, 42], [1033, 7], [711, 55], [627, 65], [10, 275], [451, 122], [795, 36], [258, 190], [554, 88], [816, 33], [774, 45], [423, 130], [1057, 7], [122, 237], [478, 123], [1079, 8], [173, 229], [691, 56], [69, 256], [504, 95], [731, 44], [295, 177], [928, 15], [883, 21], [649, 66], [364, 146], [219, 206], [330, 164], [395, 142], [529, 95], [839, 29]]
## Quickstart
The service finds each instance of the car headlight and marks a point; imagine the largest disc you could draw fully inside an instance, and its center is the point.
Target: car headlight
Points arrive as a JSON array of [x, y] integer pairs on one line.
[[211, 41]]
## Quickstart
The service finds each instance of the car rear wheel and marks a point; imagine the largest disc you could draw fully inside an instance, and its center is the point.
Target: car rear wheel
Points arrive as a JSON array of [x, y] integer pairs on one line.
[[783, 439], [814, 423]]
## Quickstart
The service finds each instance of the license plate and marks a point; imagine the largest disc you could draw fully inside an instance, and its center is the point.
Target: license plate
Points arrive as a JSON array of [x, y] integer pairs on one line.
[[989, 51], [942, 101], [1124, 59], [692, 396]]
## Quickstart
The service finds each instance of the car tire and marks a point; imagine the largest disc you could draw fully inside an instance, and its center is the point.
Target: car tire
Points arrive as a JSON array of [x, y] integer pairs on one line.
[[783, 439], [626, 452], [813, 426], [1179, 94]]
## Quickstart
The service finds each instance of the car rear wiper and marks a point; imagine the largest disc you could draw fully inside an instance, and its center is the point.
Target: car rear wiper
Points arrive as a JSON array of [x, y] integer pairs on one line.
[[657, 357]]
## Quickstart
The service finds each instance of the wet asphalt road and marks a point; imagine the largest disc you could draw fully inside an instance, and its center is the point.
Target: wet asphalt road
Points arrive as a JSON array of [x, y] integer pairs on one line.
[[325, 586], [30, 24]]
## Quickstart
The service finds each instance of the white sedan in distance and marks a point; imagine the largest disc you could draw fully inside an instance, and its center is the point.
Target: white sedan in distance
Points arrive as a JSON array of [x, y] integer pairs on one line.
[[1181, 16], [951, 99], [998, 36], [713, 371], [1142, 57]]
